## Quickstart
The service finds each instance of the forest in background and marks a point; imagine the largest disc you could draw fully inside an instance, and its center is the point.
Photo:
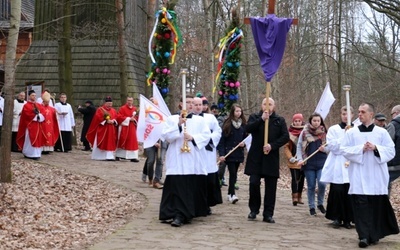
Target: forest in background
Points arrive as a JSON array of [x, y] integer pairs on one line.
[[343, 42]]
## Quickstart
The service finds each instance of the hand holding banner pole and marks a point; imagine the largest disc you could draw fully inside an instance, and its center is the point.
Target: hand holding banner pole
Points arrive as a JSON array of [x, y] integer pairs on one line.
[[232, 150], [311, 155]]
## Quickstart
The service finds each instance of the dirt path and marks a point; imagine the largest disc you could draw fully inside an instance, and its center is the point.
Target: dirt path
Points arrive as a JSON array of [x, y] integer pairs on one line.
[[227, 228]]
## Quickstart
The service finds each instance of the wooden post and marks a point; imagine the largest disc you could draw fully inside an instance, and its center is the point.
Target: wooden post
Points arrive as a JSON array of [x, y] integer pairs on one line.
[[267, 94], [271, 10]]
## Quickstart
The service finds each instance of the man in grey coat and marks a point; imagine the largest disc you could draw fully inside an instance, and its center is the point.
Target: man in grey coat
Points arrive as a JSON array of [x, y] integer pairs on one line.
[[263, 160]]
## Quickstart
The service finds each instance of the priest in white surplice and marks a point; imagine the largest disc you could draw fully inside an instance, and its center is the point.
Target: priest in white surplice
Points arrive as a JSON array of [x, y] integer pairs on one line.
[[186, 174], [335, 172], [214, 195], [368, 148], [66, 123], [18, 104]]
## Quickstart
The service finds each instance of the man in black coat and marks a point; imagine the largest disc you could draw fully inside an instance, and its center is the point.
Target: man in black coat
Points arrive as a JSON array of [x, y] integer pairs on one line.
[[88, 112], [264, 165], [394, 131]]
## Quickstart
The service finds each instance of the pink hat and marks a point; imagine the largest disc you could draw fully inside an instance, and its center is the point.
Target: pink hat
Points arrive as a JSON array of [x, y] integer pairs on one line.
[[298, 117]]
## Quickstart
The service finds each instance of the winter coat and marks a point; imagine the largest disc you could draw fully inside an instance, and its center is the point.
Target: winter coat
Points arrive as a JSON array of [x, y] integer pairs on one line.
[[396, 160], [88, 113], [236, 136], [257, 162]]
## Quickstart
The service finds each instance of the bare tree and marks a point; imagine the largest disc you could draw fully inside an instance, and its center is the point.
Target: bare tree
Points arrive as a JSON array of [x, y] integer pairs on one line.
[[391, 8], [122, 50], [10, 64]]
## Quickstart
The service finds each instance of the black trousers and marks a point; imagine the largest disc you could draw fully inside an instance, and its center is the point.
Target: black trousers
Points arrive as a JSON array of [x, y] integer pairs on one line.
[[269, 196], [221, 170], [14, 146], [67, 141], [233, 169], [297, 180]]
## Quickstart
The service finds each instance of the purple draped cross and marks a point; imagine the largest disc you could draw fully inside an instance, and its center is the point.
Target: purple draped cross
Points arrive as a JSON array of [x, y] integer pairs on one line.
[[270, 38]]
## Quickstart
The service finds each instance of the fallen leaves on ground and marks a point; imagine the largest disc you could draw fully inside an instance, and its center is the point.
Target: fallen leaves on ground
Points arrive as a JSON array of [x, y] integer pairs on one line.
[[49, 208]]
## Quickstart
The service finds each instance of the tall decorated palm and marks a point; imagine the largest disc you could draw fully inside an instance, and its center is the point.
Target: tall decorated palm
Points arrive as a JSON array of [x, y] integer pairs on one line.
[[229, 66], [163, 44]]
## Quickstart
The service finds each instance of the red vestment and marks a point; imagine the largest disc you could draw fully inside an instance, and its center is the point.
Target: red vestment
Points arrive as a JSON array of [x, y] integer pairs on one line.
[[36, 135], [50, 126], [127, 137], [106, 132]]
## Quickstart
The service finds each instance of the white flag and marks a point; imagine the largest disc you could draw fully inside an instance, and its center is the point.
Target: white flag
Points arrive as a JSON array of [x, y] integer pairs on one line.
[[159, 100], [151, 122], [325, 103], [247, 141]]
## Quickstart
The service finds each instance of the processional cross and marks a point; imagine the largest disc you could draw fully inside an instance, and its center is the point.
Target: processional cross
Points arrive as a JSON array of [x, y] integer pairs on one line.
[[270, 38]]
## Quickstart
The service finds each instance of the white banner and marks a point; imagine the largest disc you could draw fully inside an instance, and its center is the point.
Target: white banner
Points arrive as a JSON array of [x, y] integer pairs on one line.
[[151, 122], [325, 103], [159, 100], [247, 141]]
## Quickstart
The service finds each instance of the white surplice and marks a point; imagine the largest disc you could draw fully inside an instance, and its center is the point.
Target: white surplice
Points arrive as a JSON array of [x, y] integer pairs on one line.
[[335, 168], [216, 132], [368, 174], [186, 163]]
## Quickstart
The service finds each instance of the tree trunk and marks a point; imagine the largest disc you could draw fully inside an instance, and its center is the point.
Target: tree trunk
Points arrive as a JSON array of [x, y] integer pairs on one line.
[[339, 52], [10, 65], [122, 50], [66, 41], [209, 47], [61, 50]]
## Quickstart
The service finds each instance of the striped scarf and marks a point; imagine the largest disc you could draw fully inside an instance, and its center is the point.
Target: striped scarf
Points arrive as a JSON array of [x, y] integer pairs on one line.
[[311, 134]]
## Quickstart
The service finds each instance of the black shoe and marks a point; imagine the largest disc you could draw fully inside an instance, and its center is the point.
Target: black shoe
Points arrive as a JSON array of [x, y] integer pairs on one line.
[[347, 225], [321, 208], [336, 224], [374, 242], [117, 158], [86, 149], [135, 160], [269, 220], [363, 243], [312, 212], [252, 216], [177, 222], [209, 211]]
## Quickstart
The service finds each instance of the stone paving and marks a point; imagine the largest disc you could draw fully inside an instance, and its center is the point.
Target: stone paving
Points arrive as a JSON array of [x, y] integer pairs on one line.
[[226, 228]]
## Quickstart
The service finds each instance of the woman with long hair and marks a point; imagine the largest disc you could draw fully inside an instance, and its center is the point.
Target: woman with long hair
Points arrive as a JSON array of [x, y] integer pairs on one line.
[[233, 133], [313, 139]]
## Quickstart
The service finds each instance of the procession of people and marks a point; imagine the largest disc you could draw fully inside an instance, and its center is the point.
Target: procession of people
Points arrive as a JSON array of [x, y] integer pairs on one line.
[[316, 155]]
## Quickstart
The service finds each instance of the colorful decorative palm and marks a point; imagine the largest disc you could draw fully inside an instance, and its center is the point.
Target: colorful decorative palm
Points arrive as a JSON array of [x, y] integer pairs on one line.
[[162, 51], [229, 67]]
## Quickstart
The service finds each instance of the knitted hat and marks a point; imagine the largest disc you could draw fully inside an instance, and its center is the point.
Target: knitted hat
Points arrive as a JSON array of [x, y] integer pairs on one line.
[[298, 117]]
